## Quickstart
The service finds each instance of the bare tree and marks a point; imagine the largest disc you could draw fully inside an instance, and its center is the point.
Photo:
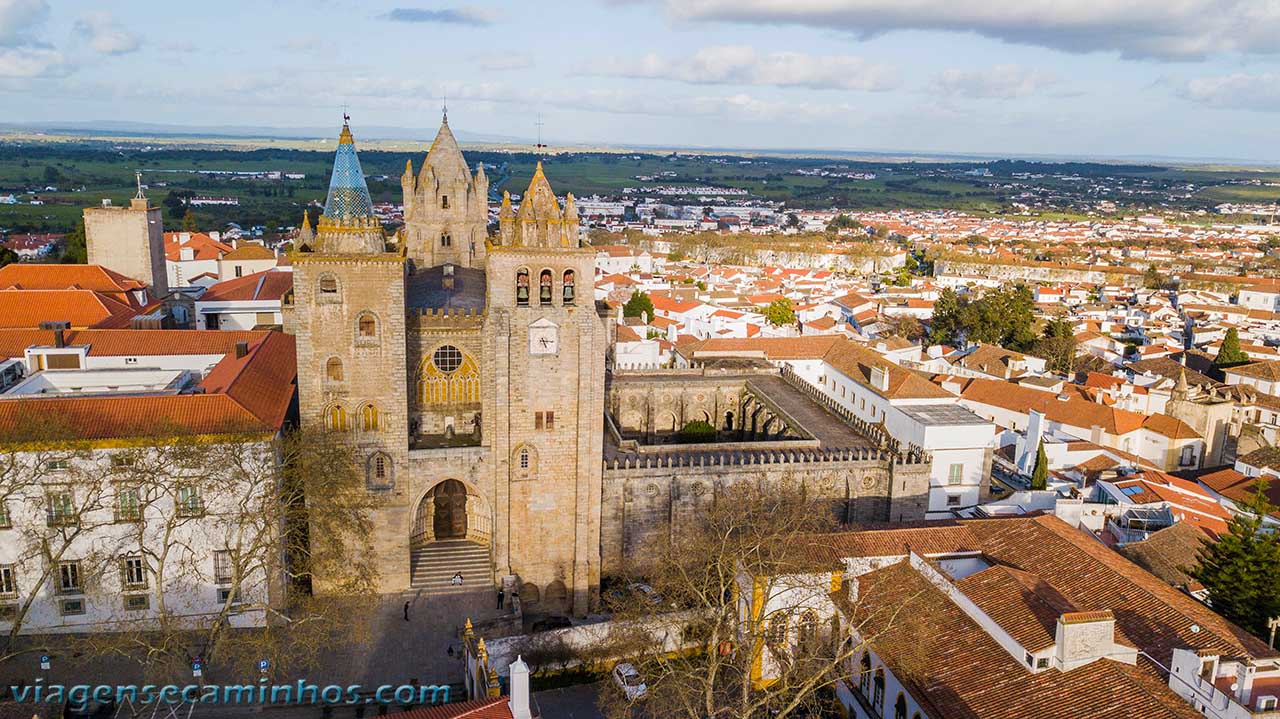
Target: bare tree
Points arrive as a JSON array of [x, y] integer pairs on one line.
[[764, 628]]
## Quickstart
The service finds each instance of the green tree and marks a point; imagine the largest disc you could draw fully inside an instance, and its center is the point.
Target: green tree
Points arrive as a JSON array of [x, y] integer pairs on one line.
[[779, 312], [842, 222], [1241, 570], [1058, 347], [1040, 473], [945, 323], [7, 256], [1154, 279], [51, 175], [638, 304], [189, 223], [792, 220], [697, 432], [1230, 354], [75, 251]]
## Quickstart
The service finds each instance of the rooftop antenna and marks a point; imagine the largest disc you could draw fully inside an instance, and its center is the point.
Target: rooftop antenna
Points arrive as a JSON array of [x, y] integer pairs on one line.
[[540, 146], [137, 175]]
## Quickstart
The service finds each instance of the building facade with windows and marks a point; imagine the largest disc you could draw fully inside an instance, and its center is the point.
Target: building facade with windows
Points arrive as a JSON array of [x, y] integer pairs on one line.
[[127, 461]]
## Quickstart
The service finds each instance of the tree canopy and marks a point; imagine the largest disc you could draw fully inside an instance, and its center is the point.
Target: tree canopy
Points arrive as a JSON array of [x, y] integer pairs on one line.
[[638, 304], [1005, 317], [1230, 354], [779, 312], [1040, 473], [1241, 570]]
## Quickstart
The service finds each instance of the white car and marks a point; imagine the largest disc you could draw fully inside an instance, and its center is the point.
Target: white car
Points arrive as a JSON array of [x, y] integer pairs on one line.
[[629, 681]]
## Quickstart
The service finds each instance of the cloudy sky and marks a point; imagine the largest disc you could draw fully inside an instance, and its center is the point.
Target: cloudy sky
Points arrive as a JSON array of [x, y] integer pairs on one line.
[[1092, 78]]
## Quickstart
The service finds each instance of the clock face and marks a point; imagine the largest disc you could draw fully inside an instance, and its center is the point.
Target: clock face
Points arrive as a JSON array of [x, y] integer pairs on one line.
[[543, 338]]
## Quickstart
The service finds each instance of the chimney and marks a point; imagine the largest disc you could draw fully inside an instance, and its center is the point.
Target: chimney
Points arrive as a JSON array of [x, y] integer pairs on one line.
[[519, 702], [242, 349], [59, 331], [1084, 637], [880, 378]]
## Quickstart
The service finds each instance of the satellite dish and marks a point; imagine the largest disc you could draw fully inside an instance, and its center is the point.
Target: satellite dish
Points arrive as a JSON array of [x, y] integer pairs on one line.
[[1195, 628]]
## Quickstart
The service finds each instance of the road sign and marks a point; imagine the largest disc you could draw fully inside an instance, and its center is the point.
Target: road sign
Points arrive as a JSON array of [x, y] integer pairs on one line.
[[263, 665], [197, 668], [44, 662]]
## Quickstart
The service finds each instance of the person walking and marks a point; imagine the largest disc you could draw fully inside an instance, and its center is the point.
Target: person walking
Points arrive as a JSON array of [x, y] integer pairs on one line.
[[406, 611], [501, 597]]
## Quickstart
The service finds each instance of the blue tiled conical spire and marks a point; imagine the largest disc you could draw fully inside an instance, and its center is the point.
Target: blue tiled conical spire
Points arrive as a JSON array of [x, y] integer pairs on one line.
[[348, 194]]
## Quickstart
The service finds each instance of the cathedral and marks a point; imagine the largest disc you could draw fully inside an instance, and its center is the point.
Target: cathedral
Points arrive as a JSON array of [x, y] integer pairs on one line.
[[467, 362]]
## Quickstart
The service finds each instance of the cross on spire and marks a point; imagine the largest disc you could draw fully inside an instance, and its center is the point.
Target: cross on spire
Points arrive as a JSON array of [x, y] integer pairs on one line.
[[539, 146], [345, 117], [444, 106]]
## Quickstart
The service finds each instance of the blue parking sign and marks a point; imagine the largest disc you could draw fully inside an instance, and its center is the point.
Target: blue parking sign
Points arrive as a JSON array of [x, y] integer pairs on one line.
[[263, 665]]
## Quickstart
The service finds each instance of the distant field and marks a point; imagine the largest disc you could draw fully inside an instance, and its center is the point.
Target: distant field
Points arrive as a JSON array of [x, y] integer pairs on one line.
[[85, 171]]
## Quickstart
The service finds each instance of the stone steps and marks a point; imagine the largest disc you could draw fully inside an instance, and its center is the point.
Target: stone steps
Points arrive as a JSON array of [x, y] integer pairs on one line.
[[432, 567]]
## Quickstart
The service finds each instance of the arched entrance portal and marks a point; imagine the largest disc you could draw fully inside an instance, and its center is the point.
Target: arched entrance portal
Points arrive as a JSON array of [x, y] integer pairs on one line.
[[452, 533], [450, 509]]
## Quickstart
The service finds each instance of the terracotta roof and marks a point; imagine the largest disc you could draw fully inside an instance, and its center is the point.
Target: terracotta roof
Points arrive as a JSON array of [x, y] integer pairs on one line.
[[248, 394], [1070, 409], [1268, 370], [954, 668], [266, 285], [1022, 604], [203, 246], [61, 277], [250, 251], [1168, 552], [127, 343], [82, 308]]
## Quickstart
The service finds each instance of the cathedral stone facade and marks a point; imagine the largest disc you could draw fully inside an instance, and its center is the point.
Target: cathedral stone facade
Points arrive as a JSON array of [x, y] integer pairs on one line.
[[468, 365]]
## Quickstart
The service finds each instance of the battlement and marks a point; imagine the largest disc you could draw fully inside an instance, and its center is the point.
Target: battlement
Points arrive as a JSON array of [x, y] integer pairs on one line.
[[737, 458]]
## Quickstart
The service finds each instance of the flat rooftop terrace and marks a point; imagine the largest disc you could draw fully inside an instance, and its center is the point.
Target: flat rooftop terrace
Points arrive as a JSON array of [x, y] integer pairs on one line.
[[426, 289]]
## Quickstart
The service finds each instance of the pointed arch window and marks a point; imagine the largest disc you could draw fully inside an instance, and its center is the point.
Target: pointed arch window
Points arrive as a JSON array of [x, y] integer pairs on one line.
[[449, 376], [369, 418], [864, 674], [336, 419], [333, 370], [522, 287], [877, 693], [900, 707], [544, 287], [379, 471], [807, 632], [446, 240], [568, 287]]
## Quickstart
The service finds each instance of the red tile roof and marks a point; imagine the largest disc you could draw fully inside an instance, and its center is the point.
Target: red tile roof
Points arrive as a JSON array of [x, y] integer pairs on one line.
[[126, 343], [266, 285], [477, 709], [82, 308]]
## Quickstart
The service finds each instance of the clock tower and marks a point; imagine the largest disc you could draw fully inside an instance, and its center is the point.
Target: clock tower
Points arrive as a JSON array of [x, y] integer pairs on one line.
[[544, 416]]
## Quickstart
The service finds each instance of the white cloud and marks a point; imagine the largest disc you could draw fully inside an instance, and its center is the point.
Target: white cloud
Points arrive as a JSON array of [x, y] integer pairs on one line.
[[743, 65], [1238, 91], [1164, 29], [27, 63], [105, 35], [449, 16], [503, 62], [1002, 82], [19, 19]]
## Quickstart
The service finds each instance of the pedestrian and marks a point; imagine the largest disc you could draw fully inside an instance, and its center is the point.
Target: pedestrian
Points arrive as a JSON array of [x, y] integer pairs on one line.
[[450, 650], [457, 579], [406, 611], [501, 596]]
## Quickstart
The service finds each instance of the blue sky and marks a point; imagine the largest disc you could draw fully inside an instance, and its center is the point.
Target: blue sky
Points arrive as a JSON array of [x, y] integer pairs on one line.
[[1092, 78]]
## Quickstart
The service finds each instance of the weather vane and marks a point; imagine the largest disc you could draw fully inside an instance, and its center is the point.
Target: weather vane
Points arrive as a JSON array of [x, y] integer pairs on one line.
[[540, 145], [444, 105], [345, 116]]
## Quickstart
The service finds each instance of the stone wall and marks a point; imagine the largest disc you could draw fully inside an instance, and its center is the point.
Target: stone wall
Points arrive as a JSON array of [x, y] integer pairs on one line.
[[128, 240]]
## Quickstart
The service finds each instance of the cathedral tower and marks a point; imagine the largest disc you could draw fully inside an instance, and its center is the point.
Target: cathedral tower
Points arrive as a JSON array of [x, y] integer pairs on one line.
[[446, 210], [543, 416], [349, 304]]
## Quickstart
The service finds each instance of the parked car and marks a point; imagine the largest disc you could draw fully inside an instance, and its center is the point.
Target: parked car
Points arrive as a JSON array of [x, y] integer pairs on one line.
[[628, 680], [649, 593]]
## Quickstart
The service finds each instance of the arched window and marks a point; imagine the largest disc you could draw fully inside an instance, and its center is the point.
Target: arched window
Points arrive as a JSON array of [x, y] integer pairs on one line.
[[446, 240], [449, 376], [776, 635], [864, 675], [568, 287], [379, 471], [367, 326], [900, 707], [877, 693], [524, 462], [328, 285], [522, 287], [807, 631], [369, 418], [544, 287], [336, 419], [333, 369]]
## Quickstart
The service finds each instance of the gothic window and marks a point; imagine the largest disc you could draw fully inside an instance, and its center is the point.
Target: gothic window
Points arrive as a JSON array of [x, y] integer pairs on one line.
[[807, 631], [522, 287], [525, 462], [544, 287], [369, 418], [446, 240], [877, 695], [864, 674], [336, 419], [900, 707], [378, 471], [367, 326], [568, 287], [333, 369], [449, 377], [776, 634]]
